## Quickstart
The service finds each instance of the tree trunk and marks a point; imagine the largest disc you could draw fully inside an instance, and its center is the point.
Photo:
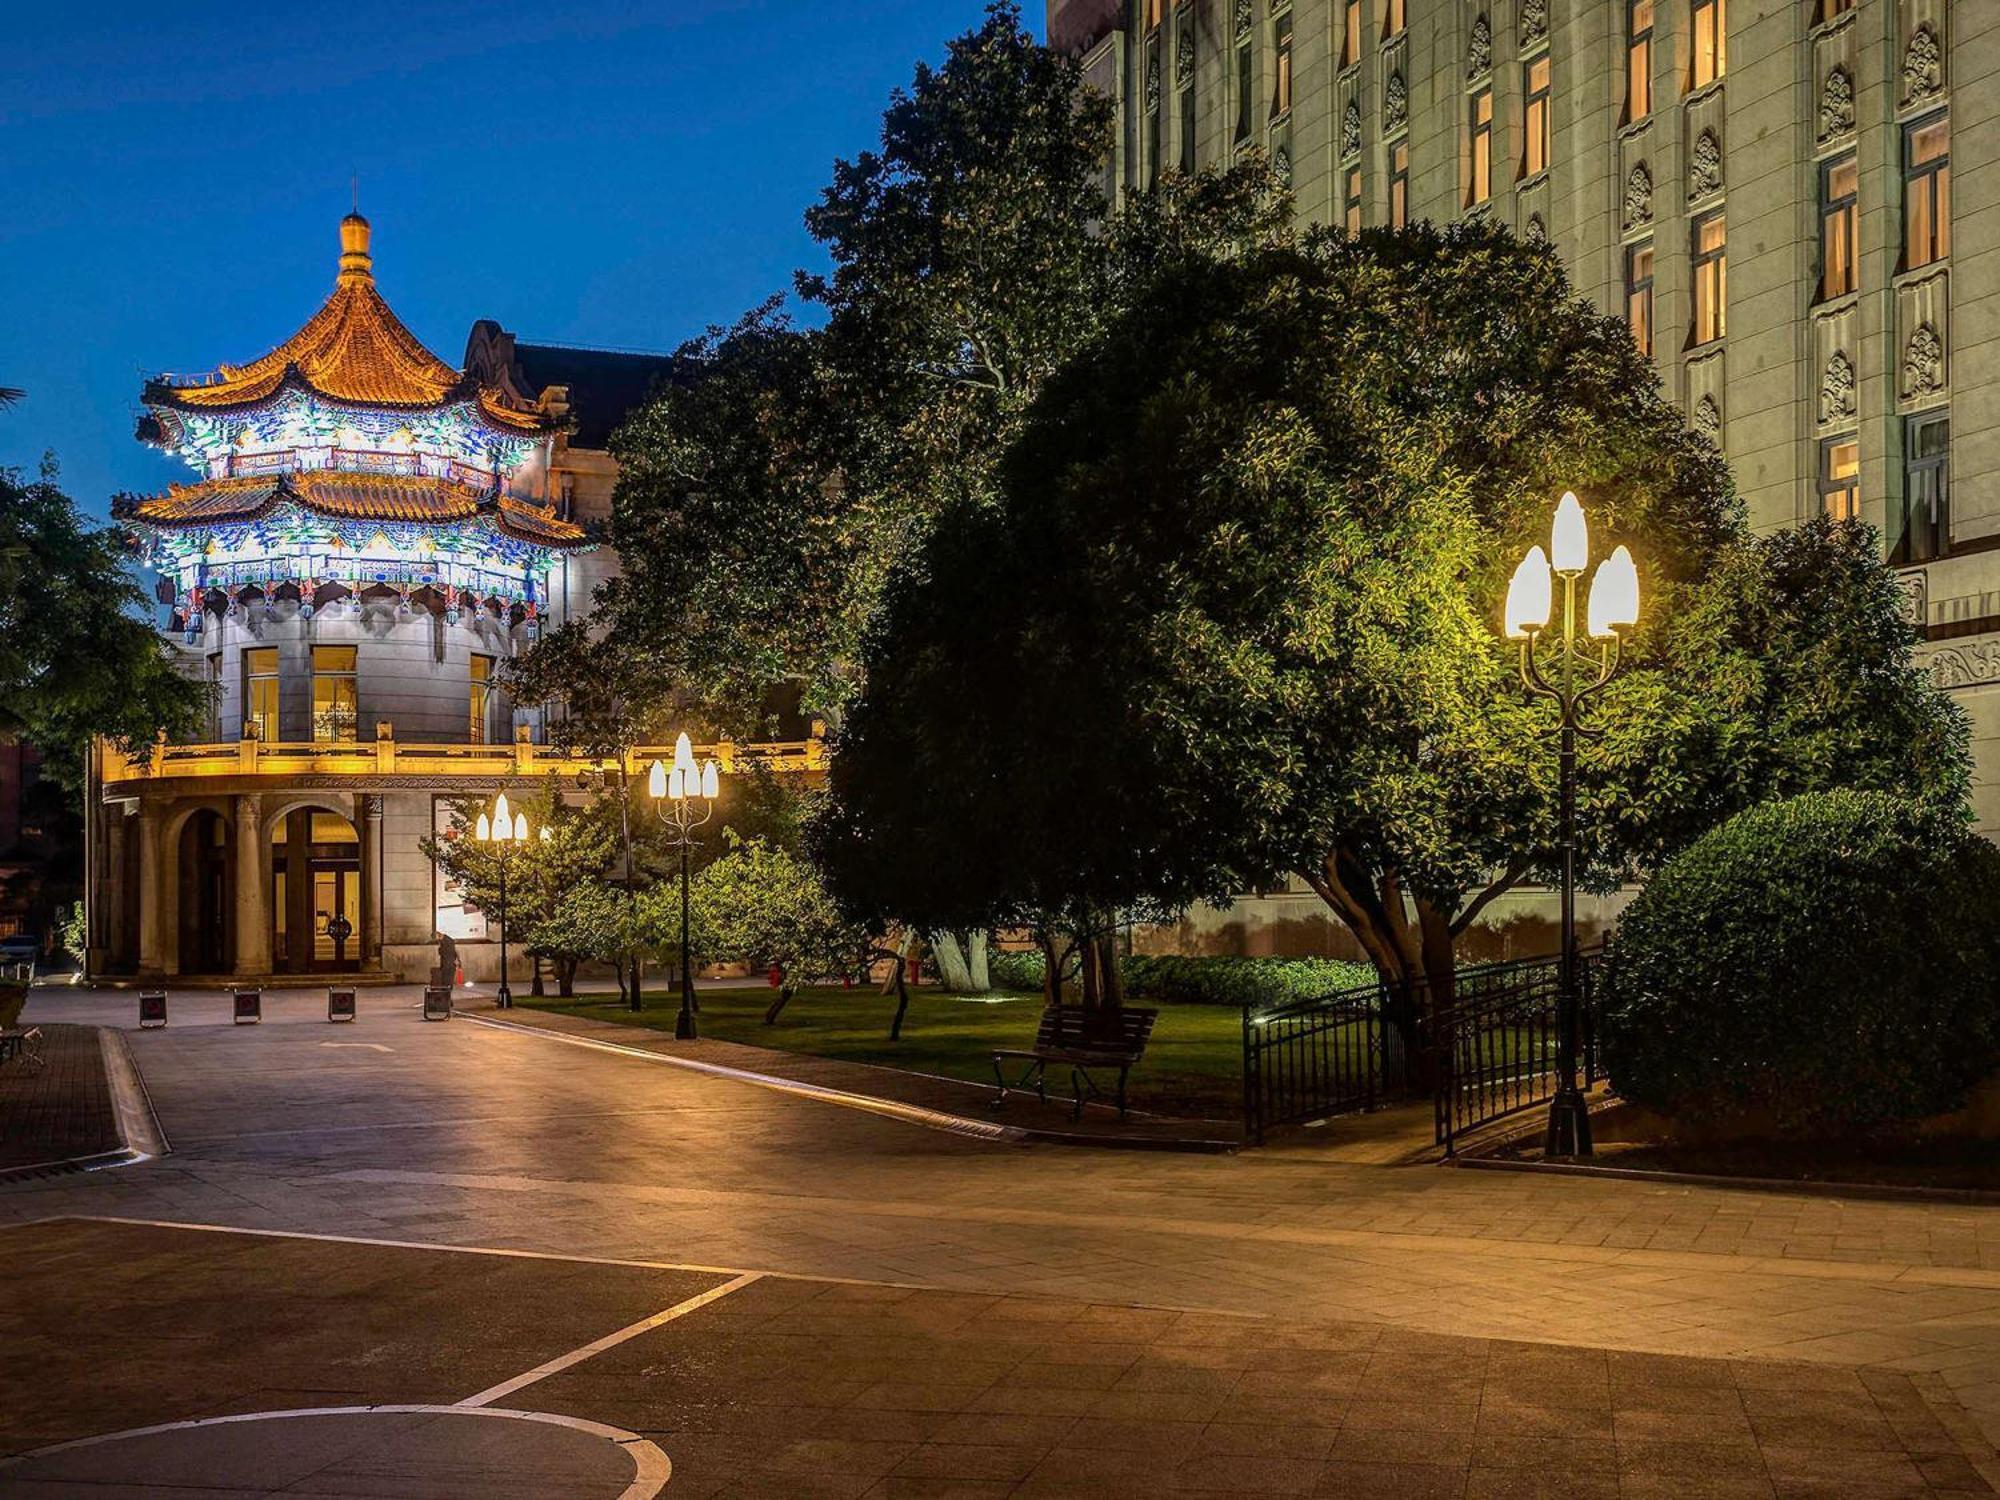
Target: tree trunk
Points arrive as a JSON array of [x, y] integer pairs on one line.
[[777, 1006], [902, 1003], [566, 977], [1052, 961], [535, 985], [954, 973]]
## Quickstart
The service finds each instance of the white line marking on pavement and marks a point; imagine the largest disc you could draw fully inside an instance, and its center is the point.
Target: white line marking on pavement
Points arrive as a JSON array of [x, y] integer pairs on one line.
[[610, 1341], [370, 1046], [651, 1467], [914, 1114]]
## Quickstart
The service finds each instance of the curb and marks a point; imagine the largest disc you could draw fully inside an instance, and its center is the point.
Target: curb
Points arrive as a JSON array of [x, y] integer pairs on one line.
[[1879, 1191], [138, 1127], [914, 1114]]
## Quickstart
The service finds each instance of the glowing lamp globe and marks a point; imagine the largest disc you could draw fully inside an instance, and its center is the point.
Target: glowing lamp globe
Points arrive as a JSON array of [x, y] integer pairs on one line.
[[684, 757], [1614, 594], [656, 781], [482, 830], [710, 782], [521, 827], [1569, 543], [1530, 595], [503, 820]]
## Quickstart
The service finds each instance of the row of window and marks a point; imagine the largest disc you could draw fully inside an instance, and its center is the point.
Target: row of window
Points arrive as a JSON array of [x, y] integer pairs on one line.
[[1926, 236], [1921, 530], [335, 694], [1708, 47]]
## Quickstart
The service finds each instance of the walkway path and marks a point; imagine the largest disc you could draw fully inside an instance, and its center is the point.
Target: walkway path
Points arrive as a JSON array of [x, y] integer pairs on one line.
[[460, 1134]]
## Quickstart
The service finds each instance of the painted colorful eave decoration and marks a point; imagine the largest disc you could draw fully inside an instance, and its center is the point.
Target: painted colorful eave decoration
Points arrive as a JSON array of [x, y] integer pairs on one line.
[[320, 509]]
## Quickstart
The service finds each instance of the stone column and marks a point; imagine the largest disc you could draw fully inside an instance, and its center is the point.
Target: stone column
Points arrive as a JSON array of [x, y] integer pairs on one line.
[[370, 825], [113, 900], [253, 914], [152, 879]]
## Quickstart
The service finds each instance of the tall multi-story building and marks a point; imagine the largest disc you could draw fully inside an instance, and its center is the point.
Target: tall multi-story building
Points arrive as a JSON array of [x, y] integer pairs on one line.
[[1793, 203], [368, 536]]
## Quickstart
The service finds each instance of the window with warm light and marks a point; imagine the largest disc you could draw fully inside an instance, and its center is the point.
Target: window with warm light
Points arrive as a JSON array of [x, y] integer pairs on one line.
[[1350, 34], [1711, 278], [1399, 185], [260, 691], [1839, 182], [1536, 78], [1155, 13], [1352, 201], [1482, 146], [1639, 294], [335, 696], [1840, 478], [1828, 9], [1638, 59], [1926, 192], [1395, 17], [1281, 65], [1925, 533], [1710, 33]]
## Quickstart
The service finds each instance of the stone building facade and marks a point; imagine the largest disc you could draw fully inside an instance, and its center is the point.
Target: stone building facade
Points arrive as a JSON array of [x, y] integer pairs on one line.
[[1791, 200]]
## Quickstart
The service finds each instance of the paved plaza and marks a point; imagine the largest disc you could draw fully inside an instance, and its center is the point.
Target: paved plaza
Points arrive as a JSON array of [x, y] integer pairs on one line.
[[785, 1296]]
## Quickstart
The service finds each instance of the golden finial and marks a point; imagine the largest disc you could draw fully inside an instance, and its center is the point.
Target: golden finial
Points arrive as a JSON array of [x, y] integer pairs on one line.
[[356, 264]]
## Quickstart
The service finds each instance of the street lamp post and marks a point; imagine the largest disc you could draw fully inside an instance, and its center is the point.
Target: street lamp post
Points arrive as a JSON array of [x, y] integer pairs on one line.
[[684, 797], [503, 830], [1570, 671]]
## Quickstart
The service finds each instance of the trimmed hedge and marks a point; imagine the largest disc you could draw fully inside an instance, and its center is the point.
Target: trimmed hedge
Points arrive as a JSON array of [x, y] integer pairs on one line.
[[1825, 965], [1204, 981]]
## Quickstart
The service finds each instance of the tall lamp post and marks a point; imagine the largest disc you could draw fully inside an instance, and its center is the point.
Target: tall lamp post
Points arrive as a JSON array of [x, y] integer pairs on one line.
[[1570, 670], [684, 797], [503, 830]]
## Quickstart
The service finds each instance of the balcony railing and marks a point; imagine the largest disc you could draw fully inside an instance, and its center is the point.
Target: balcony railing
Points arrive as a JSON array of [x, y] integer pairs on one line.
[[386, 756]]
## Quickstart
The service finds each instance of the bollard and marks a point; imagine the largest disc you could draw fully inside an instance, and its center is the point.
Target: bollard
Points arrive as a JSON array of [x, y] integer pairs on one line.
[[437, 1003], [340, 1005], [153, 1008], [249, 1007]]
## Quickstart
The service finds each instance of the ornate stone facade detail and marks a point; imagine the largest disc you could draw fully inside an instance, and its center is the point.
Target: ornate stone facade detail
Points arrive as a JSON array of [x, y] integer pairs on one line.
[[1534, 21], [1479, 52], [1638, 197], [1959, 666], [1916, 586], [1153, 83], [1705, 168], [1350, 130], [1923, 66], [1836, 389], [1395, 103], [1536, 232], [1708, 419], [1184, 48], [1281, 165], [1923, 362], [1836, 105], [1242, 19]]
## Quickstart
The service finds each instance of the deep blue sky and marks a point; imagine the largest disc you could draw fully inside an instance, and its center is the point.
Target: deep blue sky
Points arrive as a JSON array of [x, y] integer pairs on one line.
[[622, 172]]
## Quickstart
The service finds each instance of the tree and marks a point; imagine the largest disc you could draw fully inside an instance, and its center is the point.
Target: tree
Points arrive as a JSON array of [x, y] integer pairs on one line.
[[78, 659], [568, 847], [589, 922], [760, 904], [1236, 615]]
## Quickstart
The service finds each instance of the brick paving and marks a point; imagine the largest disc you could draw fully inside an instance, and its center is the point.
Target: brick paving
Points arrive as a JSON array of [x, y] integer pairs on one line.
[[470, 1135], [60, 1110]]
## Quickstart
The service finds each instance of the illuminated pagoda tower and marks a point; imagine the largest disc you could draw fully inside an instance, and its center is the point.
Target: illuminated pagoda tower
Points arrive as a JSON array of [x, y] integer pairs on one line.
[[359, 549]]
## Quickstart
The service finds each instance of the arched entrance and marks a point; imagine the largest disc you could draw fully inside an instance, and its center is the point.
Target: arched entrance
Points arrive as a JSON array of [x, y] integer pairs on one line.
[[205, 906], [315, 892]]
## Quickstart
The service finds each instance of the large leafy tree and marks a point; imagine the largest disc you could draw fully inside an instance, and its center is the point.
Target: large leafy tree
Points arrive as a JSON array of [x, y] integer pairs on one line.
[[1236, 615], [78, 659]]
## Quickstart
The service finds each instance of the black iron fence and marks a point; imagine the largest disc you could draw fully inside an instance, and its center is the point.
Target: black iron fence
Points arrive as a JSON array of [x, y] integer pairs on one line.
[[1488, 1053], [1312, 1058]]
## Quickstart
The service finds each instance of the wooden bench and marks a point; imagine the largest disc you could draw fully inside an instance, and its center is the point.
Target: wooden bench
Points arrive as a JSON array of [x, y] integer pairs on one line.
[[1080, 1040]]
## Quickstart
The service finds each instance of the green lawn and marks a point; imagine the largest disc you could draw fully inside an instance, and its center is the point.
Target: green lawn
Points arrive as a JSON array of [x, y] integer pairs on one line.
[[1193, 1064]]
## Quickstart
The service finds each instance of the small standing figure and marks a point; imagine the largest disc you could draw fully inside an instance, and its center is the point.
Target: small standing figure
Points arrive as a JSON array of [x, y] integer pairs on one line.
[[340, 930], [447, 969]]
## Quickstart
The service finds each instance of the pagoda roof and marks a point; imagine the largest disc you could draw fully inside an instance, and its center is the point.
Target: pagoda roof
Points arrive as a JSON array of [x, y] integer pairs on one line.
[[354, 350], [340, 495]]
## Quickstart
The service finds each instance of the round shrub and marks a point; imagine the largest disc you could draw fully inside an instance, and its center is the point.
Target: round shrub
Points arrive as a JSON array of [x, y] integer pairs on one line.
[[1825, 965]]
